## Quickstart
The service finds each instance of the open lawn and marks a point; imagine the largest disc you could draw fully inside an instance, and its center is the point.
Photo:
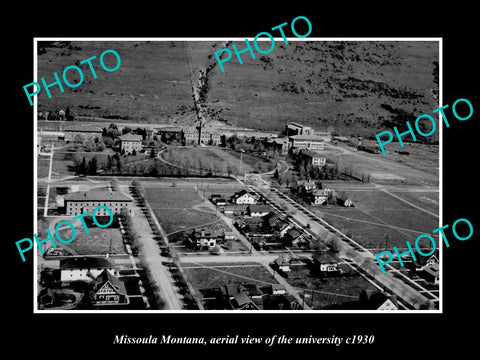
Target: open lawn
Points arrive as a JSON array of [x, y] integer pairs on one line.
[[43, 164], [376, 217], [100, 241], [391, 168], [205, 276], [427, 200], [179, 208], [217, 160], [328, 291]]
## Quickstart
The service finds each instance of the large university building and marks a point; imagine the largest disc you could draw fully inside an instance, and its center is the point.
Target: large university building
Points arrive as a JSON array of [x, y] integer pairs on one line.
[[130, 142], [310, 142], [86, 201]]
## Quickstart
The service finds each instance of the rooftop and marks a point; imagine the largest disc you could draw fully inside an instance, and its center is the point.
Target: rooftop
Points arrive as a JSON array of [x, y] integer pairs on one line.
[[307, 137], [116, 282], [86, 262], [130, 137], [96, 195]]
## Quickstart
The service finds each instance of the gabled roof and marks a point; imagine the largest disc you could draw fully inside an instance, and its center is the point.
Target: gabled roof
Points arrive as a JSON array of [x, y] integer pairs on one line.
[[243, 192], [260, 208], [130, 137], [105, 277], [97, 195], [86, 262], [293, 233]]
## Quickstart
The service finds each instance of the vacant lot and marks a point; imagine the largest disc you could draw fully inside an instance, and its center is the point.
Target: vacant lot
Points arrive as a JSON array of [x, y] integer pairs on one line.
[[205, 276], [179, 208], [378, 219], [100, 241], [328, 291]]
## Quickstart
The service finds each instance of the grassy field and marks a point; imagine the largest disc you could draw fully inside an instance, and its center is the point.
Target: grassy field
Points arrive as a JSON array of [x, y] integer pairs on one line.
[[322, 83], [180, 208], [204, 276], [391, 168], [328, 291], [375, 217], [97, 243], [217, 160]]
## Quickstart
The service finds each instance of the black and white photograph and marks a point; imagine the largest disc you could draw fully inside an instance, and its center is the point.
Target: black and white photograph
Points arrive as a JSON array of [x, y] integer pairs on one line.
[[253, 186], [220, 181]]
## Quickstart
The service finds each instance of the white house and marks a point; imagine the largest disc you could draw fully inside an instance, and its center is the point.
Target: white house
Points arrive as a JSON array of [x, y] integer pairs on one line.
[[243, 197], [84, 268]]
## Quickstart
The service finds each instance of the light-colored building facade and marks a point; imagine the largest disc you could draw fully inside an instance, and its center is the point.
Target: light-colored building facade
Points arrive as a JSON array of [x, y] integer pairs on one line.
[[84, 268], [86, 201], [310, 142], [298, 129], [130, 142], [207, 136]]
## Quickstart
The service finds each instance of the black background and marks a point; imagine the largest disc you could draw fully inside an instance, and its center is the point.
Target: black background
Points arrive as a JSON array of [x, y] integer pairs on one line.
[[91, 335]]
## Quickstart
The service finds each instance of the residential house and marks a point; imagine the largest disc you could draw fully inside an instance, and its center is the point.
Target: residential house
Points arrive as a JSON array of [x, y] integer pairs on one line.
[[84, 268], [282, 263], [238, 297], [109, 290], [318, 197], [325, 263], [229, 236], [421, 261], [313, 158], [259, 210], [205, 238], [236, 210], [82, 133], [373, 299], [278, 289], [130, 142], [243, 197], [306, 186], [294, 237], [77, 203], [343, 200], [431, 273]]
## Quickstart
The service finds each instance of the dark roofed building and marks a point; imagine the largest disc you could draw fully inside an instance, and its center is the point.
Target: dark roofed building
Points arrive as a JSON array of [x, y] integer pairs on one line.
[[109, 290], [84, 268], [259, 210], [373, 299], [77, 203]]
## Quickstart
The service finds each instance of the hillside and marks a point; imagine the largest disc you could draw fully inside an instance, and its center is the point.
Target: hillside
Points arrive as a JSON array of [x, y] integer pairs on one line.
[[352, 87]]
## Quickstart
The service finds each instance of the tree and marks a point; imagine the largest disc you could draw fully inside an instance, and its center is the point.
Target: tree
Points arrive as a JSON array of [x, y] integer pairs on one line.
[[108, 166], [275, 174], [92, 166], [152, 153], [83, 166], [126, 130], [134, 152], [100, 146]]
